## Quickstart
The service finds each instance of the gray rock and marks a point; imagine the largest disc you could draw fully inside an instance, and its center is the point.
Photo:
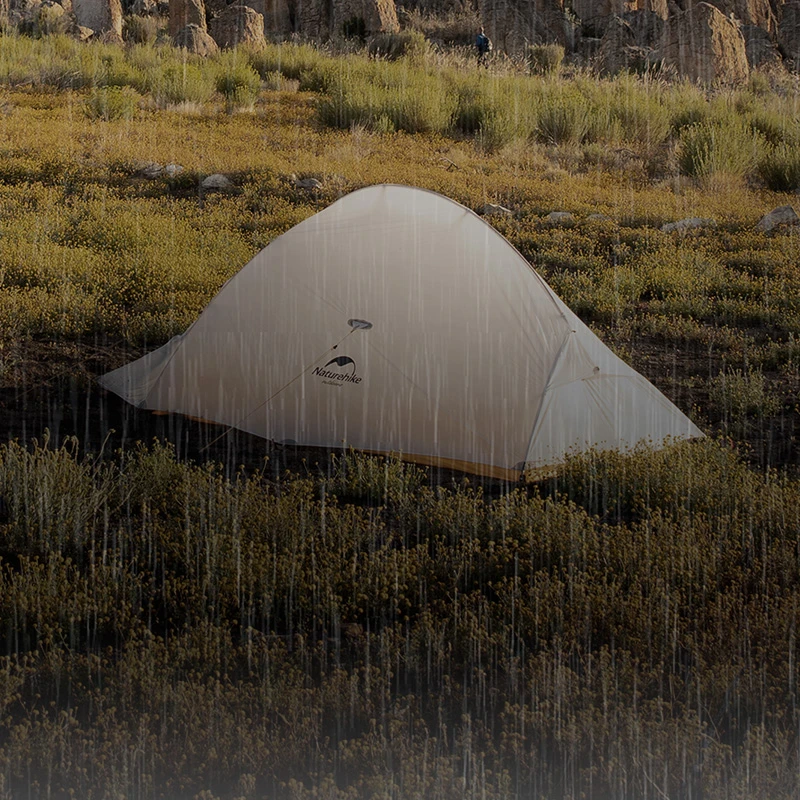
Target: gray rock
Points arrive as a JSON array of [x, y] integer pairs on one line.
[[171, 170], [309, 184], [492, 210], [216, 182], [151, 170], [688, 224], [783, 215], [559, 217]]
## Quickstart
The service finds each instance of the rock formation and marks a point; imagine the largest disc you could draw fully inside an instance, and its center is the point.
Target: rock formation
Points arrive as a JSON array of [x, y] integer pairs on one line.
[[196, 40], [186, 12], [760, 48], [238, 24], [750, 12], [618, 48], [705, 45], [514, 24], [102, 16], [789, 32]]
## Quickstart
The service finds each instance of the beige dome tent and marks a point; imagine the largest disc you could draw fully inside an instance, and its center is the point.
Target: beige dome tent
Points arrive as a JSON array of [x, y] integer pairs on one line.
[[397, 320]]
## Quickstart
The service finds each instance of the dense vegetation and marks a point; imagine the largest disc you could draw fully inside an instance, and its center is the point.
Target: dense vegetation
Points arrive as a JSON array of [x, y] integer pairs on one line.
[[625, 629], [359, 633]]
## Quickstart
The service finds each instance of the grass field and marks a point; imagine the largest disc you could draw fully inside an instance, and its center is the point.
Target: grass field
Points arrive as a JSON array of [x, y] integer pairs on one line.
[[625, 629]]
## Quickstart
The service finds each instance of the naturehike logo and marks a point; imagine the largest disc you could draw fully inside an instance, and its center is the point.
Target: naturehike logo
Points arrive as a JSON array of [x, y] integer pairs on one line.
[[338, 371]]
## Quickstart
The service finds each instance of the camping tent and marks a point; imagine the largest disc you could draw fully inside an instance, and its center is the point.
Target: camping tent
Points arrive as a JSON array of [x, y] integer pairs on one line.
[[397, 320]]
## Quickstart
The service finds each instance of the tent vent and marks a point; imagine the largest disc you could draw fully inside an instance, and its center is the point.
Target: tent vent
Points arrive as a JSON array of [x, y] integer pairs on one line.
[[359, 324]]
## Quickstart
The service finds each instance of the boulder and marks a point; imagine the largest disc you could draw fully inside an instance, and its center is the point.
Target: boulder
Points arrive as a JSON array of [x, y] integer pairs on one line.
[[560, 217], [377, 16], [760, 48], [514, 24], [705, 45], [186, 12], [196, 40], [748, 12], [83, 34], [783, 215], [102, 16], [789, 32], [238, 24]]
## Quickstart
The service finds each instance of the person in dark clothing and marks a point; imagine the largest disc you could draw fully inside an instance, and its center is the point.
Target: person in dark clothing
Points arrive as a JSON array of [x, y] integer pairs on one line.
[[483, 44]]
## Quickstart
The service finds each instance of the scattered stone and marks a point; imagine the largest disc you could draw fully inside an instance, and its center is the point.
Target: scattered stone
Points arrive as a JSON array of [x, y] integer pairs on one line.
[[599, 218], [492, 210], [151, 170], [216, 182], [705, 45], [196, 40], [102, 16], [186, 12], [238, 24], [783, 215], [308, 184], [560, 217], [171, 170], [688, 224], [83, 33]]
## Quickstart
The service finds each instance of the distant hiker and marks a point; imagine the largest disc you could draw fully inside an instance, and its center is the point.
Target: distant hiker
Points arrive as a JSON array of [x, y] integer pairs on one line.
[[483, 44]]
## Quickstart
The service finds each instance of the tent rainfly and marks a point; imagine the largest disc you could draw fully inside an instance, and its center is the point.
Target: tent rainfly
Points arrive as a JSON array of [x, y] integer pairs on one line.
[[398, 321]]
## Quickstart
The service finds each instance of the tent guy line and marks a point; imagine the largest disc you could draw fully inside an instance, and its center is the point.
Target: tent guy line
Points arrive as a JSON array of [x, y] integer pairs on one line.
[[299, 375]]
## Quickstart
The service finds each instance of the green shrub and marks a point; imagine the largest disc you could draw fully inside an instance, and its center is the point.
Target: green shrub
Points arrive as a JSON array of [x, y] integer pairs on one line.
[[112, 102], [276, 82], [49, 21], [238, 83], [419, 104], [780, 168], [562, 120], [405, 44], [290, 60], [719, 148], [182, 83], [737, 395], [545, 59]]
